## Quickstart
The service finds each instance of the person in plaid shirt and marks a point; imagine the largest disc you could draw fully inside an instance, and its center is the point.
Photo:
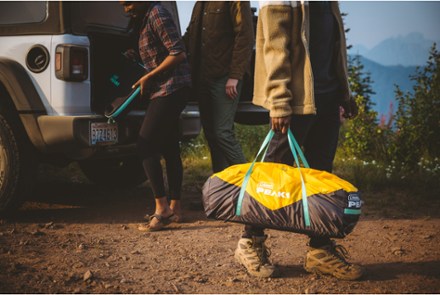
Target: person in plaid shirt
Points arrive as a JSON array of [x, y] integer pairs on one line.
[[166, 84]]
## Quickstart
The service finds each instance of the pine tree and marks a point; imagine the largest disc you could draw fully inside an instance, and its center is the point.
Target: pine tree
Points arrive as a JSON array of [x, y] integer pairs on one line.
[[418, 115], [359, 135]]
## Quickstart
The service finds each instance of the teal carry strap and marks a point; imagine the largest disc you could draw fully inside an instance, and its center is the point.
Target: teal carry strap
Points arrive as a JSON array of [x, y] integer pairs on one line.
[[126, 103], [264, 145], [294, 147], [296, 150]]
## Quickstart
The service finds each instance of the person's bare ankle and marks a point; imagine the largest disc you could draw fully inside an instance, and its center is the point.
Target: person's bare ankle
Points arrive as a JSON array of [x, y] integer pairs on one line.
[[177, 210], [162, 207]]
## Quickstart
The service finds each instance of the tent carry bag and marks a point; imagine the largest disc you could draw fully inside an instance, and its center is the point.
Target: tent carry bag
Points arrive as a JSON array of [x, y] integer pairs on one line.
[[283, 197]]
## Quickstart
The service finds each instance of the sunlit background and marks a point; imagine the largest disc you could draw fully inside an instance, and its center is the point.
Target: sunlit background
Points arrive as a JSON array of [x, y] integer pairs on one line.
[[393, 37]]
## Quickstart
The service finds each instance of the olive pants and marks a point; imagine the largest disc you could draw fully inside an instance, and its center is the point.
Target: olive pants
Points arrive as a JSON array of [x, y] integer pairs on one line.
[[217, 112]]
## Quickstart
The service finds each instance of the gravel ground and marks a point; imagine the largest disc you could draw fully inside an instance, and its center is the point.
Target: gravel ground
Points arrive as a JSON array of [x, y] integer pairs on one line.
[[75, 237]]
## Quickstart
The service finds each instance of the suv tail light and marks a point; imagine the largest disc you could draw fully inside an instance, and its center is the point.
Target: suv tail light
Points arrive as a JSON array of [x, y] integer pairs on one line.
[[71, 63]]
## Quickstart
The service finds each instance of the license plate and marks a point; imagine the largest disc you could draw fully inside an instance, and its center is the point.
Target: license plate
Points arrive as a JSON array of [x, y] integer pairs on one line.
[[103, 133]]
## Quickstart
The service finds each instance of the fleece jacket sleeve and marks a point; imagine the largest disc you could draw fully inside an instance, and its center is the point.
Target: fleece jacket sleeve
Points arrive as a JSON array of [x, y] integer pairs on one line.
[[277, 29]]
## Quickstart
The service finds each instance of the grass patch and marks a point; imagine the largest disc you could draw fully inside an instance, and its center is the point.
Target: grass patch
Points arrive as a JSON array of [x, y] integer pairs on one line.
[[196, 172], [196, 163], [250, 138], [389, 192]]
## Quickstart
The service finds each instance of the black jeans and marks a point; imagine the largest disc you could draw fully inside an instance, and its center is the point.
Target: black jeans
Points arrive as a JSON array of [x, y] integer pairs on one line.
[[318, 135], [159, 136]]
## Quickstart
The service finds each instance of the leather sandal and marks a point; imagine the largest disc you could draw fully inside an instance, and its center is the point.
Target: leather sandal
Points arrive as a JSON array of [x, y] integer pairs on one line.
[[173, 218], [163, 221]]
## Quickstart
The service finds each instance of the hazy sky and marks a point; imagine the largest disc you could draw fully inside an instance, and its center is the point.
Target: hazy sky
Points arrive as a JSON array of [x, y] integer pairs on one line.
[[373, 21]]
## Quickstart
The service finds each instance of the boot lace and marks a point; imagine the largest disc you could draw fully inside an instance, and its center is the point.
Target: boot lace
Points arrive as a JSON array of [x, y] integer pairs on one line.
[[340, 252], [262, 251]]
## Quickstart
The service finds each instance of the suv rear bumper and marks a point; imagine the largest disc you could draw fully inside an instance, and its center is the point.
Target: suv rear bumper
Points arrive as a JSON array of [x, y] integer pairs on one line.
[[70, 135], [250, 114]]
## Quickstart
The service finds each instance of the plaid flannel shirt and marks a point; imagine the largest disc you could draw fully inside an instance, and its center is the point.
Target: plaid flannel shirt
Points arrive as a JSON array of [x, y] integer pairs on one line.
[[158, 39]]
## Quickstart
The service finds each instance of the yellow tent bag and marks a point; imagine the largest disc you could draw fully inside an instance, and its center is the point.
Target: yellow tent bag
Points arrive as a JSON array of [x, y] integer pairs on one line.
[[283, 197]]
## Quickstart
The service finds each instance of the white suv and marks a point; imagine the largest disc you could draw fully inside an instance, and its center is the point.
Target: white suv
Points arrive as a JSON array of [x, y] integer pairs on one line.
[[60, 65]]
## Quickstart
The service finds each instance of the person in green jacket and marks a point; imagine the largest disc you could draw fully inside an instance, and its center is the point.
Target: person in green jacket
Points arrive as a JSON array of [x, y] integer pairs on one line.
[[301, 77], [219, 41]]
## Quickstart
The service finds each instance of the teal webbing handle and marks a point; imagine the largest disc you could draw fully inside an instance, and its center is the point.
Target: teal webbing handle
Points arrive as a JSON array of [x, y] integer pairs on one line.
[[294, 146], [264, 145], [297, 150], [126, 103]]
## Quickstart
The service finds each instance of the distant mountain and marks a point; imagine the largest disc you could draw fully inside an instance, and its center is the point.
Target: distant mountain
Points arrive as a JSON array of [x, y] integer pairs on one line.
[[359, 49], [384, 78], [410, 50]]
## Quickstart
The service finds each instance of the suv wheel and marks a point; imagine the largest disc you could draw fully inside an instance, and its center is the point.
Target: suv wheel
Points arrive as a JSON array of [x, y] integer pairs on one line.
[[120, 172], [17, 162]]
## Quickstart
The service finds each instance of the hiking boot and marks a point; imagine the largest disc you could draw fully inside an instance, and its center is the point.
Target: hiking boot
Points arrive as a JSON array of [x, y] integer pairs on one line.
[[253, 254], [330, 260]]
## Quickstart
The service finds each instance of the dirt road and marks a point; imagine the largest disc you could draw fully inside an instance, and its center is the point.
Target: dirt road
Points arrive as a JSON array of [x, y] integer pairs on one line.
[[78, 238]]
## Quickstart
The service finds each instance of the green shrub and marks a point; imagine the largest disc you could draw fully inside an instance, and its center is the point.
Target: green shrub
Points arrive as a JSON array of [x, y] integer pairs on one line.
[[251, 137], [417, 128]]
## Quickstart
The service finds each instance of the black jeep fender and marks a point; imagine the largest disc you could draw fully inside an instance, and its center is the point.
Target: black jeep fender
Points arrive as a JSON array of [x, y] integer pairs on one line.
[[16, 87]]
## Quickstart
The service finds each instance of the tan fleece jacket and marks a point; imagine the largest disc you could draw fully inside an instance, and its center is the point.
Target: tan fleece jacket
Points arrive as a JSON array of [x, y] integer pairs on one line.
[[283, 72]]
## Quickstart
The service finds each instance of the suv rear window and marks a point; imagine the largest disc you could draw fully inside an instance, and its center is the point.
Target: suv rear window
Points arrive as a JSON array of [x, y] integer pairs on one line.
[[22, 12]]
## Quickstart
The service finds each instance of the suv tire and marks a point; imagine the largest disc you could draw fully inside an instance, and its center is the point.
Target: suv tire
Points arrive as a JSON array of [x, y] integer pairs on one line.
[[18, 165], [111, 172]]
